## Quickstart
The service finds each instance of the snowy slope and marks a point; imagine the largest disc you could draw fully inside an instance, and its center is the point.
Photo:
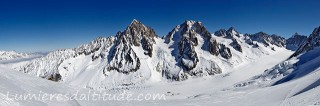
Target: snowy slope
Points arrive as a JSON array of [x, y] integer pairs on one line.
[[13, 82]]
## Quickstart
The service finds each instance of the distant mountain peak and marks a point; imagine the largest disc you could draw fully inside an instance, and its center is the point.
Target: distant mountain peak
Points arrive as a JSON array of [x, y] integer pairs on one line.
[[316, 31], [297, 35], [232, 29], [262, 33], [267, 39], [230, 33], [136, 25], [6, 55], [135, 21], [188, 29], [295, 41], [137, 31], [312, 41], [189, 22], [138, 34]]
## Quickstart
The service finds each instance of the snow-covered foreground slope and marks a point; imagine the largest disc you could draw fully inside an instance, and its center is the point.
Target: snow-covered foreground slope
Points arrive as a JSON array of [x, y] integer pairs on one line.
[[13, 82]]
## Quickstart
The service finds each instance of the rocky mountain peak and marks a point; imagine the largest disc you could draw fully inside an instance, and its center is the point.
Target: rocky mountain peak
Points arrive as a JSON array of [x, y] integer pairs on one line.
[[316, 32], [267, 39], [189, 23], [221, 33], [123, 58], [134, 21], [189, 30], [296, 35], [262, 33], [195, 26], [5, 55], [138, 34], [295, 41], [230, 33], [136, 25], [185, 38], [312, 41], [232, 30]]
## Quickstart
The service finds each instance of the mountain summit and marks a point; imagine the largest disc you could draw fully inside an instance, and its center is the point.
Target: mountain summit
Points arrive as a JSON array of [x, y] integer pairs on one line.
[[312, 42], [138, 34], [294, 42]]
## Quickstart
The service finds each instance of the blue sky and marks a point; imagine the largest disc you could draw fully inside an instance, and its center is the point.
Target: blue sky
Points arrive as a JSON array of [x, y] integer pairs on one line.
[[45, 25]]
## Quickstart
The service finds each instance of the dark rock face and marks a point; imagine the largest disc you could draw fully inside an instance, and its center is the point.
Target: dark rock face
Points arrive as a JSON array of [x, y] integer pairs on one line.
[[221, 33], [312, 42], [188, 55], [147, 45], [248, 39], [294, 42], [54, 77], [213, 69], [268, 39], [235, 44], [122, 57], [278, 40], [200, 29], [214, 47], [232, 34], [225, 51], [186, 38], [255, 45], [138, 34]]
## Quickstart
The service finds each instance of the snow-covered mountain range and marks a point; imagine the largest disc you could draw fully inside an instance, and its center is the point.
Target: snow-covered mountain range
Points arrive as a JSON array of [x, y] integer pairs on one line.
[[137, 55], [7, 55]]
